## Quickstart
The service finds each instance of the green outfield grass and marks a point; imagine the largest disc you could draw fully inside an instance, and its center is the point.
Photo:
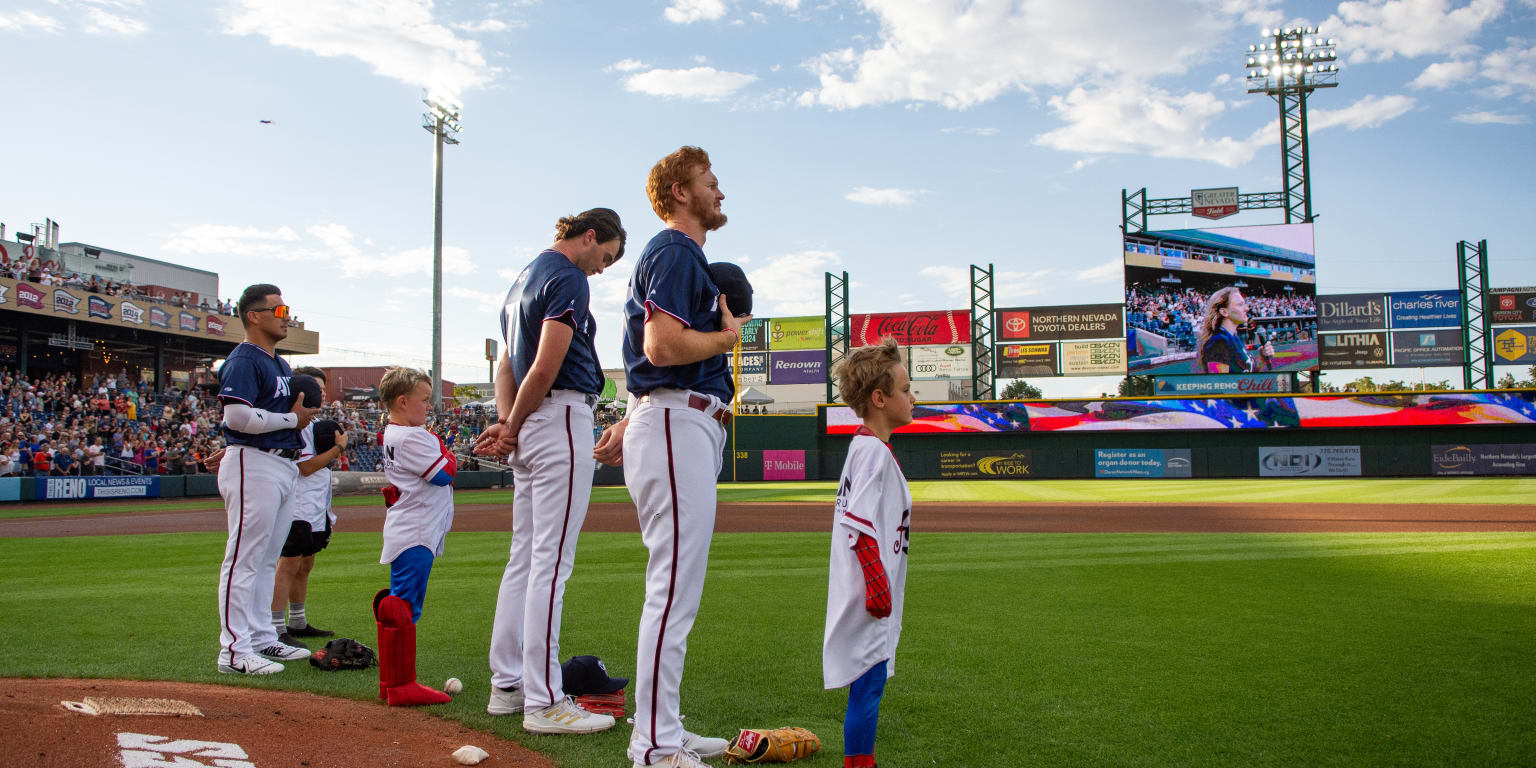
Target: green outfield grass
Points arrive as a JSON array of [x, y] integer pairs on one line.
[[1019, 649], [1370, 490]]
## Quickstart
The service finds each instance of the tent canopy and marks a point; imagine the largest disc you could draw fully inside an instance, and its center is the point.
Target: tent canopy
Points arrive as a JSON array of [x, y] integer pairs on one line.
[[754, 396]]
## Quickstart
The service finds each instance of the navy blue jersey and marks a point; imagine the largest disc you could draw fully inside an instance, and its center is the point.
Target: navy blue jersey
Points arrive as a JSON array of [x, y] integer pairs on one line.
[[552, 288], [260, 380], [1225, 347], [672, 277]]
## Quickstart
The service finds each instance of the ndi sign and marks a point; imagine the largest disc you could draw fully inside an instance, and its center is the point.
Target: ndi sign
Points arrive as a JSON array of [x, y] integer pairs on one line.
[[1310, 461]]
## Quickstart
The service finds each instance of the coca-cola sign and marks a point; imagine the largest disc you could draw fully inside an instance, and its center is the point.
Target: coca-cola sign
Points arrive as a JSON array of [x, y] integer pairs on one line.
[[950, 326]]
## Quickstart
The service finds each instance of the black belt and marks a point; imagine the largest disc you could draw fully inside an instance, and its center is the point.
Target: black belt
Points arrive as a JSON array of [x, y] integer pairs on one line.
[[291, 454]]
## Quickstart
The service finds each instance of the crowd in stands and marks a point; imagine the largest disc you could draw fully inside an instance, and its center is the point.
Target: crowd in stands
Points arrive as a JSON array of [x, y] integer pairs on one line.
[[1175, 313]]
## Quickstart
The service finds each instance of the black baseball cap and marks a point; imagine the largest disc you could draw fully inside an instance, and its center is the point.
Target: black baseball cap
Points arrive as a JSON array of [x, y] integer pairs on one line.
[[586, 674]]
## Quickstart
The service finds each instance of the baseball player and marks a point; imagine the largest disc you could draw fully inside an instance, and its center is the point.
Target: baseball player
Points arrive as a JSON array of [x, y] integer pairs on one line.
[[257, 477], [870, 525], [678, 329], [547, 383], [310, 531], [419, 501]]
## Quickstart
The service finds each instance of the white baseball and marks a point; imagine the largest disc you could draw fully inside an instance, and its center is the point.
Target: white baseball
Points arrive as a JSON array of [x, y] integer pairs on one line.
[[454, 685], [469, 755]]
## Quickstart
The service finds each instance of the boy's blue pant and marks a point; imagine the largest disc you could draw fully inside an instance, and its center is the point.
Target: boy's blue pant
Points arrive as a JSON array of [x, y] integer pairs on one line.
[[408, 574], [863, 711]]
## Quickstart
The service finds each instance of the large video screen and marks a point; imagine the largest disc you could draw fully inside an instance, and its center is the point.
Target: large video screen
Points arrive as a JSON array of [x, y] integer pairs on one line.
[[1178, 282]]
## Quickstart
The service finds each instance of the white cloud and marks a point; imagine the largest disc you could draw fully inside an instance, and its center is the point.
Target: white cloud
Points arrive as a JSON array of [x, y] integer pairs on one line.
[[960, 53], [788, 5], [1512, 70], [792, 284], [625, 65], [955, 282], [698, 83], [489, 301], [1444, 74], [398, 38], [1221, 79], [1110, 271], [411, 261], [1379, 30], [890, 196], [21, 21], [1368, 112], [689, 11], [100, 22], [489, 25], [280, 244], [1084, 163], [1491, 118], [972, 131]]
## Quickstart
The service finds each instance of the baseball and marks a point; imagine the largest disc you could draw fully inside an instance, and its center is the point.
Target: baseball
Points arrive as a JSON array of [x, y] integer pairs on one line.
[[453, 685]]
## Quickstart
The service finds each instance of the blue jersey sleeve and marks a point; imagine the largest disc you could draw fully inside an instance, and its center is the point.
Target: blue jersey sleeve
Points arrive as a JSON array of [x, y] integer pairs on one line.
[[240, 380], [674, 284], [566, 298]]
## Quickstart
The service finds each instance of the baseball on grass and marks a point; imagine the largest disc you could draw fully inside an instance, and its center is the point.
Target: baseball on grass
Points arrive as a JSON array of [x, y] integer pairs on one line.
[[454, 685]]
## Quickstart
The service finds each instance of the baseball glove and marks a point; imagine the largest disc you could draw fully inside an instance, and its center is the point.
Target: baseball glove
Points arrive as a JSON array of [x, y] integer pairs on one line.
[[343, 653], [778, 745]]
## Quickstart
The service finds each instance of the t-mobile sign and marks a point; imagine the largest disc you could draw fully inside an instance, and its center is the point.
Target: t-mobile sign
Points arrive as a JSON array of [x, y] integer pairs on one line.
[[783, 465]]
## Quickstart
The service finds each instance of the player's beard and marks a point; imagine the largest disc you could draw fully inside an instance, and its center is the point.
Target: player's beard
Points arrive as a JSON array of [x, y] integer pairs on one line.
[[704, 210]]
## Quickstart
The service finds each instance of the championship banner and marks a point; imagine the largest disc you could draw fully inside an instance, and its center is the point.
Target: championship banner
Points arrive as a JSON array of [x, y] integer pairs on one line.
[[1353, 350], [1425, 309], [1078, 321], [984, 464], [1141, 462], [1351, 311], [754, 335], [754, 369], [1310, 461], [1512, 305], [786, 333], [1093, 358], [800, 367], [1514, 346], [912, 329], [1420, 349], [1223, 383], [126, 486], [1019, 361], [1501, 459], [941, 362]]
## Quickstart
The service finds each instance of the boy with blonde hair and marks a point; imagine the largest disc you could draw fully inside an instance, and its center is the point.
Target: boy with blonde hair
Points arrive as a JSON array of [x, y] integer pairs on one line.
[[870, 525], [419, 503]]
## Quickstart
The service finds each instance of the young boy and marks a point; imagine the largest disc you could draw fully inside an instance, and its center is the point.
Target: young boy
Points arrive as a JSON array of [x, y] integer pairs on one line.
[[310, 531], [419, 500], [870, 524]]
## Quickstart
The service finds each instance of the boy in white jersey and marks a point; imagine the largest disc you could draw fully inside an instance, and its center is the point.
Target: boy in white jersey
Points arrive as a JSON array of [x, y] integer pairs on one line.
[[870, 526], [419, 500]]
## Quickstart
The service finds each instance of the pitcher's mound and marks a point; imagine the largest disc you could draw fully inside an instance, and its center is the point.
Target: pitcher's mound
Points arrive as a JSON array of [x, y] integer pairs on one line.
[[239, 728]]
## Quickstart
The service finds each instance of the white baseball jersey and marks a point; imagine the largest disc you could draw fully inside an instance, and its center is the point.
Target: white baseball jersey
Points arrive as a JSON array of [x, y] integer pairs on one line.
[[424, 512], [872, 499], [313, 502]]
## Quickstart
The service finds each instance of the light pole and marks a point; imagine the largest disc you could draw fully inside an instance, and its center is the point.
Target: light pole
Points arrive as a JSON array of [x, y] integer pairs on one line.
[[1289, 65], [442, 121]]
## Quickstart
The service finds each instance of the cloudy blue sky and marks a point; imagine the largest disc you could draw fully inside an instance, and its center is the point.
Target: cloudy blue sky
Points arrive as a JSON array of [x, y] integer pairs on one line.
[[900, 140]]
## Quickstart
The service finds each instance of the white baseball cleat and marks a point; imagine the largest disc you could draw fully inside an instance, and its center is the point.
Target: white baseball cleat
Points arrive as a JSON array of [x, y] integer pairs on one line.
[[683, 759], [564, 716], [704, 746], [282, 652], [504, 702], [251, 665]]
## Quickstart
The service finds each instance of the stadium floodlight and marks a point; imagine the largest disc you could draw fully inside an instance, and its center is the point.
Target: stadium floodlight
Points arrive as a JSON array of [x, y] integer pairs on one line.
[[442, 121], [1290, 68]]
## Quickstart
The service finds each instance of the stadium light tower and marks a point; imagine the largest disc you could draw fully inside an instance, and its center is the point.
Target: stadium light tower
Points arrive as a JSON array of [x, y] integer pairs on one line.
[[1290, 64], [442, 121]]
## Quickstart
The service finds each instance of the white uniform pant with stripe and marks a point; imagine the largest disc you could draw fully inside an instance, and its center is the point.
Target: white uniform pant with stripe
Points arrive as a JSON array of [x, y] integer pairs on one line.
[[672, 458], [259, 494], [552, 476]]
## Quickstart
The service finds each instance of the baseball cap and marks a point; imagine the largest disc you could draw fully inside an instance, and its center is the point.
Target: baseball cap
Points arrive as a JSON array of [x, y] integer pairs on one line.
[[586, 674]]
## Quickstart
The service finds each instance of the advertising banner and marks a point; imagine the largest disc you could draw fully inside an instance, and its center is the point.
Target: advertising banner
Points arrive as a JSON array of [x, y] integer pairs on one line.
[[1353, 350], [1141, 462], [10, 489], [97, 487], [1500, 459], [784, 465], [1310, 461], [1512, 305], [912, 329], [785, 333], [754, 369], [1425, 309], [984, 464], [1018, 361], [1213, 203], [1418, 349], [754, 335], [1514, 346], [1078, 321], [801, 367], [952, 361], [1351, 311], [1224, 383], [1093, 358]]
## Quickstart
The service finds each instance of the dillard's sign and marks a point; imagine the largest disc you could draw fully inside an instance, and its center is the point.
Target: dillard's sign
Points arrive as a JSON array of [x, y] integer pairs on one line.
[[1353, 311]]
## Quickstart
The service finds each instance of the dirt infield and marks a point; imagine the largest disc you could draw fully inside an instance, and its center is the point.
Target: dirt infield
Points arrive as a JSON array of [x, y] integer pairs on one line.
[[985, 517], [240, 727]]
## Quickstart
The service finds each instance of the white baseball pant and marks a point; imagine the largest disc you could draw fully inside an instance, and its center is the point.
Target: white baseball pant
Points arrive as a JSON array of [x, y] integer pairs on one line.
[[552, 481], [672, 456], [259, 494]]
